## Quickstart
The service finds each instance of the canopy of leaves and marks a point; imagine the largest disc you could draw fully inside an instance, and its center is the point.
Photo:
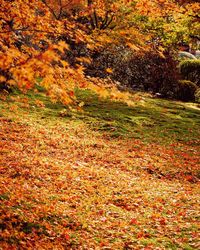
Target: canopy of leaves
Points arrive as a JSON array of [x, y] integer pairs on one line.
[[35, 36]]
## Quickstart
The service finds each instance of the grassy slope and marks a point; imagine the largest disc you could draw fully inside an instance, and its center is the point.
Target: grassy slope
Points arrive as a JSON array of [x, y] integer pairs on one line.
[[111, 177]]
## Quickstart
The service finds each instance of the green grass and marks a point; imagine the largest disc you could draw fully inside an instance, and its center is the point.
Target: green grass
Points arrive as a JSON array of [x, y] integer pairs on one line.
[[152, 117], [157, 120]]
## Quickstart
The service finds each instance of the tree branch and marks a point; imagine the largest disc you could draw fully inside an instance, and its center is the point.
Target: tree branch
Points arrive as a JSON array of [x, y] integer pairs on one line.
[[50, 9]]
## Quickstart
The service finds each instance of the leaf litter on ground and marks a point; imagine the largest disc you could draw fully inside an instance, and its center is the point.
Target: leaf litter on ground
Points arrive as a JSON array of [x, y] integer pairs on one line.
[[66, 185]]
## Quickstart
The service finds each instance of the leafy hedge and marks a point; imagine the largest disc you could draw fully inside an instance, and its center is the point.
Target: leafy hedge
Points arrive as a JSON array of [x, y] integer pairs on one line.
[[185, 90], [190, 70]]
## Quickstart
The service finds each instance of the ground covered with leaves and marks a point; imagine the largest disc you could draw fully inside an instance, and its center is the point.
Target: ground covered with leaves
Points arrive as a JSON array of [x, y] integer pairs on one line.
[[109, 177]]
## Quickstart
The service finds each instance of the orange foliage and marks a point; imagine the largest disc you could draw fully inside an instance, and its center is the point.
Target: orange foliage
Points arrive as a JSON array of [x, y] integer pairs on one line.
[[31, 47], [59, 8]]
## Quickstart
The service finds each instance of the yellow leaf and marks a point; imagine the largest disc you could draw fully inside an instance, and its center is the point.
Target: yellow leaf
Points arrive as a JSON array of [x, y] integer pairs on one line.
[[133, 47], [39, 103], [2, 79], [109, 70], [161, 54], [81, 104]]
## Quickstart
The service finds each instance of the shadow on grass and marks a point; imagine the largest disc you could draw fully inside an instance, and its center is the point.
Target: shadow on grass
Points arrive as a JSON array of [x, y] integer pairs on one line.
[[154, 119]]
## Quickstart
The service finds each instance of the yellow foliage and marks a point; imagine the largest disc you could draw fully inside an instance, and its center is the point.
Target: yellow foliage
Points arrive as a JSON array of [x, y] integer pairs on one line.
[[2, 79], [109, 70], [133, 46]]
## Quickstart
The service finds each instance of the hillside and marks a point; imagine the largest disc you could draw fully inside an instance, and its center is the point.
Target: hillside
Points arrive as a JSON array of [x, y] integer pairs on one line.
[[108, 176]]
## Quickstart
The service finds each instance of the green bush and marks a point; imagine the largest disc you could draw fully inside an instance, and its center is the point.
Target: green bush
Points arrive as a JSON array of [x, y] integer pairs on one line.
[[190, 70], [197, 95], [185, 90]]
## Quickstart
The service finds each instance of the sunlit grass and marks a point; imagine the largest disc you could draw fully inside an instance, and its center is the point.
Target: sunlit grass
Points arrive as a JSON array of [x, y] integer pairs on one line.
[[149, 119]]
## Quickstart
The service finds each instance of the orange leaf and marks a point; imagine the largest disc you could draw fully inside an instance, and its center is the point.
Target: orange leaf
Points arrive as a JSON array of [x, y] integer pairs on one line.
[[133, 221]]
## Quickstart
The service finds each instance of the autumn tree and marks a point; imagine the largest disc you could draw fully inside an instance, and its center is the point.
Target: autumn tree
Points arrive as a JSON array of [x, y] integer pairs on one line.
[[32, 48], [169, 22]]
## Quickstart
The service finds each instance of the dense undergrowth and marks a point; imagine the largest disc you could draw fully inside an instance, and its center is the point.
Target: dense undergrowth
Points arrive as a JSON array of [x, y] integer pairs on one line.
[[105, 176]]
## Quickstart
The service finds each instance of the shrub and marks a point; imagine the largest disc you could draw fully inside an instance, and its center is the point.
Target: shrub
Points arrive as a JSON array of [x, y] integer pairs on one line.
[[107, 57], [149, 71], [190, 70], [141, 70], [197, 96], [185, 90]]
